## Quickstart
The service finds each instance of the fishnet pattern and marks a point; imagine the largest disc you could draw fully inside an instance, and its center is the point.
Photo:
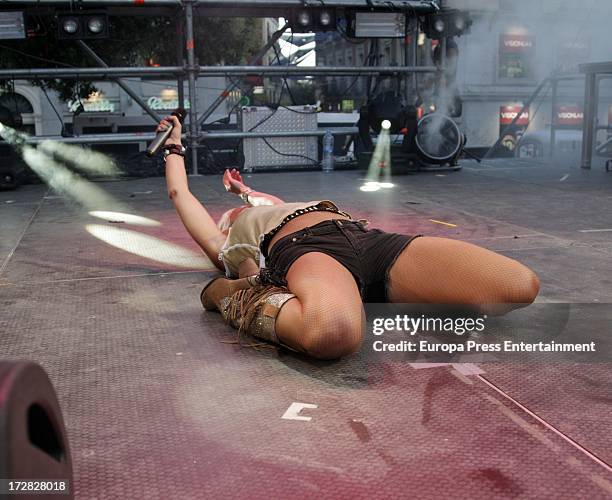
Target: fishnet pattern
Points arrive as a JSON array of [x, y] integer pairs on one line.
[[327, 321], [446, 271]]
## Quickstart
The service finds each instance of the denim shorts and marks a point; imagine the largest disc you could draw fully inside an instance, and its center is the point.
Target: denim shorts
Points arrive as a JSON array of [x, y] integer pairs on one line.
[[368, 254]]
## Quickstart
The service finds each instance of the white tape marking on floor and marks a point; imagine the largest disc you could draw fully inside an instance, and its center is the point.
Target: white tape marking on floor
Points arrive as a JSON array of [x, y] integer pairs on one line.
[[468, 369], [418, 366], [595, 230], [293, 412], [564, 177], [463, 368]]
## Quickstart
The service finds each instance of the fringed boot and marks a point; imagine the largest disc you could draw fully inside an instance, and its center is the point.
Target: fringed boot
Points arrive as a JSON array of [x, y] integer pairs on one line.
[[253, 311], [216, 293]]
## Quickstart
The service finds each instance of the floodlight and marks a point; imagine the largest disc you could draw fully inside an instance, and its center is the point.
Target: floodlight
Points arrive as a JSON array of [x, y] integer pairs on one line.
[[377, 24], [12, 25]]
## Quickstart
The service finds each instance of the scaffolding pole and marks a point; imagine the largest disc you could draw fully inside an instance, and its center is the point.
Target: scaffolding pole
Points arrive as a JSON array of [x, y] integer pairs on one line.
[[173, 71], [192, 74], [146, 137], [120, 82], [412, 6]]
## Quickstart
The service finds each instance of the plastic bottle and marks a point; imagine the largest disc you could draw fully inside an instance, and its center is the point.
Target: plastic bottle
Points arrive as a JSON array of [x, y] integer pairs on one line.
[[327, 165]]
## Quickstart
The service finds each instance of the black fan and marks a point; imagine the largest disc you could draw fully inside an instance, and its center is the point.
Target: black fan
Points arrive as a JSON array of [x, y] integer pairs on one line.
[[438, 138]]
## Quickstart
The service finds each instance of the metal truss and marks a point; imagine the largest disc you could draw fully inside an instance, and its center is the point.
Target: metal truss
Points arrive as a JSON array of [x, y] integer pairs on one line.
[[191, 71]]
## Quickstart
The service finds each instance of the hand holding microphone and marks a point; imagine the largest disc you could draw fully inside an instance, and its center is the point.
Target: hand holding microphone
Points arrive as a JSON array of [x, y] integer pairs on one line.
[[168, 131]]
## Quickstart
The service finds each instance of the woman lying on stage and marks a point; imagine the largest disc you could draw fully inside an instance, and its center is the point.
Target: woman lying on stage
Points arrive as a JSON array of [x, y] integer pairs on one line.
[[299, 273]]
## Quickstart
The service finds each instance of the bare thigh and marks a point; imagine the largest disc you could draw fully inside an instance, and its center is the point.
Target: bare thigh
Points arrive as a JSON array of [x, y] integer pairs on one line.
[[447, 271]]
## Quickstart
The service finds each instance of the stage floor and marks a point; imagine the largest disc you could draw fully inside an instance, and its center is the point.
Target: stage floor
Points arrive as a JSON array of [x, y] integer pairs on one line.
[[158, 405]]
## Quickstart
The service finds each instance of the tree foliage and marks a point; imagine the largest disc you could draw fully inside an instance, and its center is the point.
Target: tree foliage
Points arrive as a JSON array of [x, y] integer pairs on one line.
[[133, 41]]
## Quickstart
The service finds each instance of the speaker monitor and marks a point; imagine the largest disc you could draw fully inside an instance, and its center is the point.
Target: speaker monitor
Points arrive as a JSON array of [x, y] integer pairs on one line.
[[33, 440]]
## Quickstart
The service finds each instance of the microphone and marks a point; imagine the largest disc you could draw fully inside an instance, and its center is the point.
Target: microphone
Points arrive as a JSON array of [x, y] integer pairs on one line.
[[162, 136]]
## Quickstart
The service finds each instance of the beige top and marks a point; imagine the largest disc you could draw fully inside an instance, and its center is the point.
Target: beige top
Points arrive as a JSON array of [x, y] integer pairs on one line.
[[249, 229]]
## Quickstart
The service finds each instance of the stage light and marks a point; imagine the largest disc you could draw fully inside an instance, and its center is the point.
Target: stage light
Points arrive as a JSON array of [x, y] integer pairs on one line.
[[70, 25], [446, 24], [12, 25], [95, 25], [83, 25], [460, 23], [386, 185], [304, 18], [325, 18], [385, 112], [376, 24]]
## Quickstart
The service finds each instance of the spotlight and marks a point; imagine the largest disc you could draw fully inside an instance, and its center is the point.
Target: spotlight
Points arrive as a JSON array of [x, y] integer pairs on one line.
[[446, 23], [325, 18], [83, 25], [95, 25], [305, 20], [385, 112], [70, 25]]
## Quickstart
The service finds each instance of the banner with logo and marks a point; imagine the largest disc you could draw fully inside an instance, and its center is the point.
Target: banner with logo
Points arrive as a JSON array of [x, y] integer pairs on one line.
[[516, 56], [506, 115], [569, 116]]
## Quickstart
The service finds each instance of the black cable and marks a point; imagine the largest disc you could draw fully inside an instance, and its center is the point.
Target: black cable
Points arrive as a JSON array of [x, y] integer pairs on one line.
[[218, 166], [299, 112], [352, 84], [289, 154], [347, 38], [53, 106], [283, 77]]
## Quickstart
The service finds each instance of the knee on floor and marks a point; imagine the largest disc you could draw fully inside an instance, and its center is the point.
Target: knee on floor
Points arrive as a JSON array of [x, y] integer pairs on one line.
[[334, 337]]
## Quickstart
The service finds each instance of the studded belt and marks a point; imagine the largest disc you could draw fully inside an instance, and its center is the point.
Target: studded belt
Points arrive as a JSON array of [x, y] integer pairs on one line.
[[324, 206]]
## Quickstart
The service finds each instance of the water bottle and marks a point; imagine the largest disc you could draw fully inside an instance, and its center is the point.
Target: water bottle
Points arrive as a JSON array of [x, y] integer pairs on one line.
[[327, 164]]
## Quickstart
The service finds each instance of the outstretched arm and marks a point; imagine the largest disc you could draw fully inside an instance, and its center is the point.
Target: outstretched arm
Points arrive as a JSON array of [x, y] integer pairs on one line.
[[232, 180], [194, 216]]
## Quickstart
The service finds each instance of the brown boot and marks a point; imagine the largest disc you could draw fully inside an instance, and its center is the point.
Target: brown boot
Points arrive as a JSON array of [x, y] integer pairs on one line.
[[219, 288], [253, 310]]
